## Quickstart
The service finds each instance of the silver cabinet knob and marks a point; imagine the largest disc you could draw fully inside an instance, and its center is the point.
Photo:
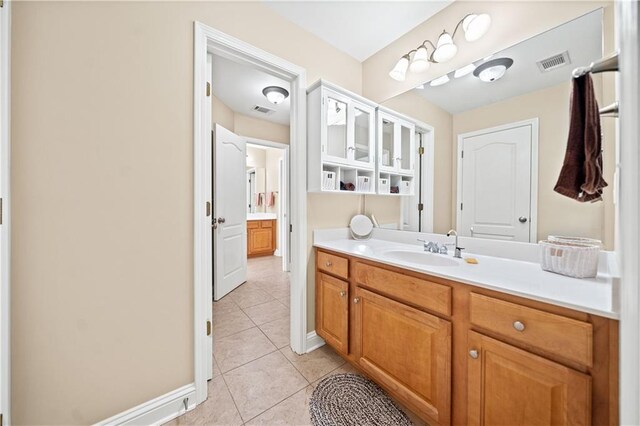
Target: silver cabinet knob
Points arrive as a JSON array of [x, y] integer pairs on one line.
[[343, 293], [328, 264], [473, 354], [518, 325], [522, 219], [221, 220], [356, 300]]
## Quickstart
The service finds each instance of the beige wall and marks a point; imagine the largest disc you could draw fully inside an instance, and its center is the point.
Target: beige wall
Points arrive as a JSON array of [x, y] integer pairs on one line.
[[557, 214], [102, 183], [260, 129], [511, 22], [414, 105], [221, 114]]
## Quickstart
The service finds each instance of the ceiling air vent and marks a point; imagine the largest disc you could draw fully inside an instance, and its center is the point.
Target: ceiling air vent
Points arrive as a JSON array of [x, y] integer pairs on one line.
[[263, 110], [553, 62]]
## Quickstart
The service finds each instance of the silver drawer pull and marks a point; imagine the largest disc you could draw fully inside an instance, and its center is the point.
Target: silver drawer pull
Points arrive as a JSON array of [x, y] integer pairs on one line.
[[518, 325], [343, 293], [473, 354], [328, 264], [356, 300]]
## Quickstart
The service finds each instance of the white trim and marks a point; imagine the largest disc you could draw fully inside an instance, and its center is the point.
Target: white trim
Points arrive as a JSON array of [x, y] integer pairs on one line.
[[283, 217], [533, 204], [5, 193], [314, 341], [628, 208], [207, 39], [156, 411], [428, 175]]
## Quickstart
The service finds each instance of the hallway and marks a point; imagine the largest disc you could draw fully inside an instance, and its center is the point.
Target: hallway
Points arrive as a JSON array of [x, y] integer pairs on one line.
[[257, 379]]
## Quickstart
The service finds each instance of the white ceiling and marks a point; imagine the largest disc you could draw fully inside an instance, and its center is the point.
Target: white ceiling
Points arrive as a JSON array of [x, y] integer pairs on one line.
[[582, 38], [240, 88], [358, 28]]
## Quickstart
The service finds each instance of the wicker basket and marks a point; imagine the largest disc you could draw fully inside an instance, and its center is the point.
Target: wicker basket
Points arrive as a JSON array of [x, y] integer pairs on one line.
[[573, 259]]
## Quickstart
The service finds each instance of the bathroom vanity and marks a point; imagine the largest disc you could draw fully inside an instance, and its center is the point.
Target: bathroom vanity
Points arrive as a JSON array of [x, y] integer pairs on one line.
[[471, 344], [261, 234]]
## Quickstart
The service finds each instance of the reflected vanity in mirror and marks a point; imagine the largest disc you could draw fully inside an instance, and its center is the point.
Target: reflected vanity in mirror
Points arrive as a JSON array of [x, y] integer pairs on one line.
[[500, 133]]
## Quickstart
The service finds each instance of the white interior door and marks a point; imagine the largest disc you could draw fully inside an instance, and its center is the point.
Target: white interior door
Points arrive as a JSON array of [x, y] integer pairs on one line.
[[495, 188], [230, 212]]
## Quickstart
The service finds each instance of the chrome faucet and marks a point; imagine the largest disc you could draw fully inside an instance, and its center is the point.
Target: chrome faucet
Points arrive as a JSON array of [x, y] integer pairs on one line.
[[458, 250], [430, 246]]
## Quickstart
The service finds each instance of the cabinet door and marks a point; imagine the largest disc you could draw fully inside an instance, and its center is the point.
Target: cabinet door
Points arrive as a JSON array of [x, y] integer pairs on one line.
[[405, 147], [332, 311], [406, 350], [386, 142], [361, 146], [260, 240], [335, 111], [509, 386]]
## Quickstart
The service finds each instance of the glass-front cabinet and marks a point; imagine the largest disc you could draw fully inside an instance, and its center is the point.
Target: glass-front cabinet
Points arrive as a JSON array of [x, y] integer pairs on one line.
[[349, 130], [396, 148], [356, 146]]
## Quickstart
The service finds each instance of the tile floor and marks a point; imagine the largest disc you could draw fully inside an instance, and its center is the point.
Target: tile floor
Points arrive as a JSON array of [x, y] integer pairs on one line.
[[257, 378]]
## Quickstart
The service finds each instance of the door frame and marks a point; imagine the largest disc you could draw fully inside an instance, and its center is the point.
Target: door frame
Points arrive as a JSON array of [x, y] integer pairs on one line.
[[5, 213], [284, 192], [533, 204], [210, 40]]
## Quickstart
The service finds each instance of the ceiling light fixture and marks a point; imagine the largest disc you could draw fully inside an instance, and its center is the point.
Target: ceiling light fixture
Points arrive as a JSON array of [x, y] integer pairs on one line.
[[493, 70], [461, 72], [439, 81], [275, 94], [418, 60]]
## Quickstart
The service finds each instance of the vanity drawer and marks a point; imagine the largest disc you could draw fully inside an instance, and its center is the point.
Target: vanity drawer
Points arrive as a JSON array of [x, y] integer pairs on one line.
[[253, 224], [415, 291], [333, 264], [566, 337]]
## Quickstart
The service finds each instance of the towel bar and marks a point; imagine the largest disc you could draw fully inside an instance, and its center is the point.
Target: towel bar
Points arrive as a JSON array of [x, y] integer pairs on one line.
[[610, 110], [608, 63]]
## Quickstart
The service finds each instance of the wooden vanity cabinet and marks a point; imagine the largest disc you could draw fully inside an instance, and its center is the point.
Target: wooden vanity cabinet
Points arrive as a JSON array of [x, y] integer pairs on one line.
[[261, 237], [406, 350], [510, 386], [458, 354]]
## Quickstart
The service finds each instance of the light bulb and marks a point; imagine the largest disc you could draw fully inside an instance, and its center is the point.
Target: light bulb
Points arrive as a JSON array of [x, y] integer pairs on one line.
[[439, 81], [475, 26], [399, 72], [461, 72], [420, 61], [445, 49]]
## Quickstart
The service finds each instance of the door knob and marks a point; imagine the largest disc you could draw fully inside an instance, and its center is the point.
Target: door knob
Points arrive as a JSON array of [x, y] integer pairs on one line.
[[356, 300], [518, 325], [221, 220], [473, 354], [343, 293], [522, 219]]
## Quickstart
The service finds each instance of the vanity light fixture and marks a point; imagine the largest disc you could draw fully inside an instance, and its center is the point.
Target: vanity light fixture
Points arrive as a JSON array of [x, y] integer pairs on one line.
[[418, 60], [275, 94], [439, 81], [461, 72], [493, 70]]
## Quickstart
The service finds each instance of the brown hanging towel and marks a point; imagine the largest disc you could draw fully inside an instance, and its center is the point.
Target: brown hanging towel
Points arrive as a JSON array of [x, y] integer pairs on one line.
[[581, 174]]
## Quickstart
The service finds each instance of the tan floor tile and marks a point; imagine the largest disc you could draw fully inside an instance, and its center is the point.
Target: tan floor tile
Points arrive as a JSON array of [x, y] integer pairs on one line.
[[230, 322], [261, 384], [225, 304], [267, 312], [278, 331], [316, 364], [292, 411], [216, 368], [344, 368], [248, 295], [218, 409], [240, 348]]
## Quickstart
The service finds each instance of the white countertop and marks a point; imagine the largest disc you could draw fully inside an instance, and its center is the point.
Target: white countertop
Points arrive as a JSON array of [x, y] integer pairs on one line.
[[261, 216], [512, 276]]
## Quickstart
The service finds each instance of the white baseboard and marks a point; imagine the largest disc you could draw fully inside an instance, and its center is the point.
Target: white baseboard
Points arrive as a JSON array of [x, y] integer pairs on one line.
[[157, 411], [277, 253], [314, 341]]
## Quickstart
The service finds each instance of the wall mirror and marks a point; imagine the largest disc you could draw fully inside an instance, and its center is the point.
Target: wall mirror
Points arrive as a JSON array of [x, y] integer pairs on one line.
[[500, 134]]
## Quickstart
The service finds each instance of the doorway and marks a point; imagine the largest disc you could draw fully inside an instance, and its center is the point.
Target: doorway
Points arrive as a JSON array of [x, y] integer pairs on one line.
[[210, 41], [497, 182]]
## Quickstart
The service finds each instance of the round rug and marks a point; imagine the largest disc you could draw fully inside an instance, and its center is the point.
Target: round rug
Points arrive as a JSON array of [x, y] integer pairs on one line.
[[350, 399]]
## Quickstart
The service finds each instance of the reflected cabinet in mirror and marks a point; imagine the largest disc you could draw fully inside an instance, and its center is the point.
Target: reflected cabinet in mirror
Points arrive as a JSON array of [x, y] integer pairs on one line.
[[500, 130]]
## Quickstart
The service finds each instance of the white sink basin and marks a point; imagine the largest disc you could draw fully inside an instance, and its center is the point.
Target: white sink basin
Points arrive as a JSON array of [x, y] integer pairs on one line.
[[419, 257]]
